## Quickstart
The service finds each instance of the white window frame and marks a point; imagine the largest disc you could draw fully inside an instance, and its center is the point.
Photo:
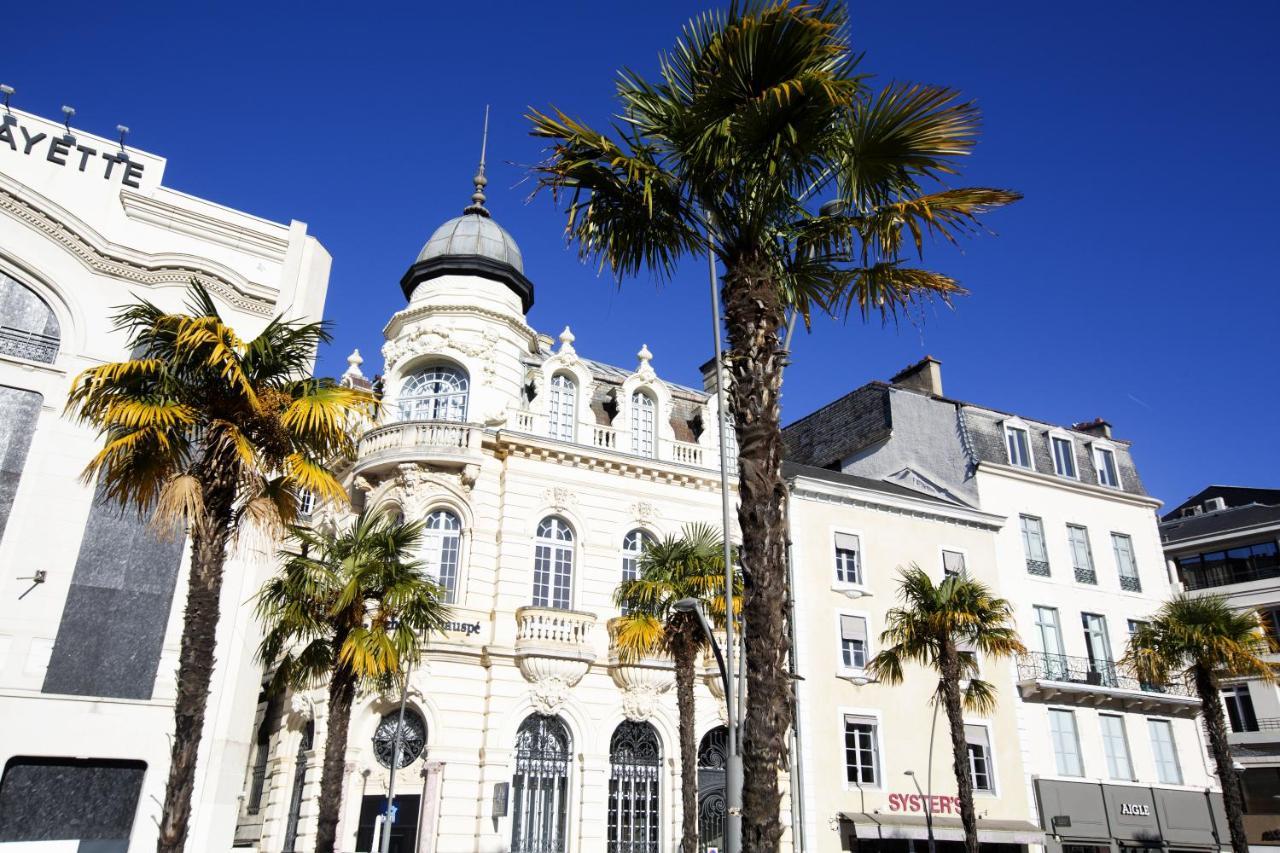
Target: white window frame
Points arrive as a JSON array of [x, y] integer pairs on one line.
[[1060, 435], [1075, 727], [942, 558], [434, 562], [554, 546], [1090, 565], [1044, 542], [562, 414], [1133, 557], [992, 776], [1124, 741], [1095, 450], [1152, 723], [851, 589], [644, 442], [881, 758], [841, 668], [1017, 424]]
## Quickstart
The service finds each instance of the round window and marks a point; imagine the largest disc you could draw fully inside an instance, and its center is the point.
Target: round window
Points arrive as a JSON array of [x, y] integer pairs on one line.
[[413, 738]]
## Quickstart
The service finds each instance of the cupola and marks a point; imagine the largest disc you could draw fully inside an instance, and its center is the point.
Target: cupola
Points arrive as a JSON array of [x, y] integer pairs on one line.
[[472, 244]]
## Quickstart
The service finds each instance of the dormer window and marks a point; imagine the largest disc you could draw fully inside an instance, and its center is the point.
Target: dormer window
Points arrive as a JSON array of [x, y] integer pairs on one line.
[[644, 423], [1064, 456], [1018, 441], [1104, 459], [562, 407]]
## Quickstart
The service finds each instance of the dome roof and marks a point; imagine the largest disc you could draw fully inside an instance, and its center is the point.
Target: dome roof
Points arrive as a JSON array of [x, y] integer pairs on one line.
[[473, 234]]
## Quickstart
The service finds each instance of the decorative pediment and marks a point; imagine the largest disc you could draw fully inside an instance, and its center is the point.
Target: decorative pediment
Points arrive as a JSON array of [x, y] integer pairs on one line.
[[909, 478]]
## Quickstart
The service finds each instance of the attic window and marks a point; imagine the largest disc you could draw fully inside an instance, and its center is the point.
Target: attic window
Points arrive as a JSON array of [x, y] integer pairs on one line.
[[1018, 442], [1104, 459]]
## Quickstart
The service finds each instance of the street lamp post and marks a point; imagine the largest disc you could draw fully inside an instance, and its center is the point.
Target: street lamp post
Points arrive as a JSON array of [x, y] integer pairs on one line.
[[928, 810], [733, 761], [396, 741]]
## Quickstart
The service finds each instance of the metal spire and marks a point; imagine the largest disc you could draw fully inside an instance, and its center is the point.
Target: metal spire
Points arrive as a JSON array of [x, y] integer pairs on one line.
[[478, 197]]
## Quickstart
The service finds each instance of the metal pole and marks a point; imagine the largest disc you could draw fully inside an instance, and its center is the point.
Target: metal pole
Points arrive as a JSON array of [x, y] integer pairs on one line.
[[928, 812], [395, 762], [733, 763]]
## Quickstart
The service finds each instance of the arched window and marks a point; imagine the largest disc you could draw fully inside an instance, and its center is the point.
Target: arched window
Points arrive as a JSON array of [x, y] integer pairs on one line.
[[635, 763], [436, 393], [553, 564], [413, 738], [28, 326], [540, 788], [633, 545], [644, 424], [299, 782], [712, 758], [562, 407], [442, 543]]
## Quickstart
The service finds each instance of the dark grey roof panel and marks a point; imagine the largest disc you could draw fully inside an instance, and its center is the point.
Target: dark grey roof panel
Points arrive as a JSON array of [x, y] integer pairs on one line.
[[1223, 521]]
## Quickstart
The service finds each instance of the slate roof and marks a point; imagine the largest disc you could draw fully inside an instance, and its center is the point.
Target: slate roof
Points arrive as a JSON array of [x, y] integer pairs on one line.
[[1233, 495], [1223, 521]]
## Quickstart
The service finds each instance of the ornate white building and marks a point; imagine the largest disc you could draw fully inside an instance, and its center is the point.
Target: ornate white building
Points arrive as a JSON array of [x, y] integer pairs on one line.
[[540, 473]]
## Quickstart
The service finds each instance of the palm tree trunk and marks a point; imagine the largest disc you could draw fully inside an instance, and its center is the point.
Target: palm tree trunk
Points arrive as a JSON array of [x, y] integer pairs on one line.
[[684, 651], [342, 691], [209, 536], [950, 665], [1211, 707], [753, 316]]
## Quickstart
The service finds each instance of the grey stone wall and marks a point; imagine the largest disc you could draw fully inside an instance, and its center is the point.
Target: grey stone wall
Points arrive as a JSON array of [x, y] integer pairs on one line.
[[117, 609], [837, 430], [19, 411]]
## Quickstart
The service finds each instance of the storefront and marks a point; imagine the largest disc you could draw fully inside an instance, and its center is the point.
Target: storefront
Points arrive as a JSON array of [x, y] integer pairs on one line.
[[1083, 817], [881, 832]]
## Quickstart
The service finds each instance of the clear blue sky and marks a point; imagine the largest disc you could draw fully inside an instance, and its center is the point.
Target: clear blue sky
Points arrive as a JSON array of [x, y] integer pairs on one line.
[[1136, 281]]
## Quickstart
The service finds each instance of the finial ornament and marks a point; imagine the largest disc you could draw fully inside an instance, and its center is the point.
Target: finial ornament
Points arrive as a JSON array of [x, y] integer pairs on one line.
[[353, 364], [644, 355], [478, 197], [566, 341]]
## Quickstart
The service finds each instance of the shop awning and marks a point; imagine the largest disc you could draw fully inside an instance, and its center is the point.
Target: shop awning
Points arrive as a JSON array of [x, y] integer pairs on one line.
[[868, 825]]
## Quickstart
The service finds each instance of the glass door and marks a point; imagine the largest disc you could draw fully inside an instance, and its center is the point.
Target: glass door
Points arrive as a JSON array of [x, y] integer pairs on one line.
[[1050, 635], [1102, 669]]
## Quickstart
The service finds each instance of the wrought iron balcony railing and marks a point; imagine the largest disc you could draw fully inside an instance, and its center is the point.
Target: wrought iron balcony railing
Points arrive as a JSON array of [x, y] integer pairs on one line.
[[1040, 666], [1088, 576], [1038, 567], [32, 346], [1130, 584]]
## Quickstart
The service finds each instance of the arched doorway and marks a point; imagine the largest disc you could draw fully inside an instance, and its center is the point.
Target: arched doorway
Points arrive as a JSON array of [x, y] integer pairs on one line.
[[635, 767], [712, 758], [540, 788]]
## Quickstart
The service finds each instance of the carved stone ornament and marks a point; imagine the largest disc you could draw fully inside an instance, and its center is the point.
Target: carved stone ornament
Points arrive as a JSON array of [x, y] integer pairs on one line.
[[560, 498], [362, 484], [431, 340], [639, 702], [549, 693], [645, 512], [300, 707]]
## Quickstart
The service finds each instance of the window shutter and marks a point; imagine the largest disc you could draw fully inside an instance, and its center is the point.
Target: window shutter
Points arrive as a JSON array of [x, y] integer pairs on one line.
[[853, 628], [847, 542]]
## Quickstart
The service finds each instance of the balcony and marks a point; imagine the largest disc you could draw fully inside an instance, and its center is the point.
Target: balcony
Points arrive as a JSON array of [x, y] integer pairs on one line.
[[1039, 568], [1130, 583], [1088, 576], [553, 651], [418, 441], [32, 346], [1081, 681]]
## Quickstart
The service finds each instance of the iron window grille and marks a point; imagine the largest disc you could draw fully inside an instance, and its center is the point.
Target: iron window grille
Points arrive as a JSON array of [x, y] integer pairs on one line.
[[712, 760], [539, 791], [635, 770], [413, 738]]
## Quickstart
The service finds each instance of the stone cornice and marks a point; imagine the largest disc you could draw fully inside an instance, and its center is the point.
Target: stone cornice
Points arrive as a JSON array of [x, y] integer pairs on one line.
[[594, 459], [848, 495], [416, 312], [1013, 473], [204, 227], [144, 269]]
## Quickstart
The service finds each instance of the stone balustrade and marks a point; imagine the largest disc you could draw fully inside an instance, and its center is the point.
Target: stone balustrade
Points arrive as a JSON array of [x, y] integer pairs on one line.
[[437, 441], [546, 626]]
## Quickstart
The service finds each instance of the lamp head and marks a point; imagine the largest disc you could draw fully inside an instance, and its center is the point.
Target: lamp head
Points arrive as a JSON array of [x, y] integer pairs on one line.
[[687, 605]]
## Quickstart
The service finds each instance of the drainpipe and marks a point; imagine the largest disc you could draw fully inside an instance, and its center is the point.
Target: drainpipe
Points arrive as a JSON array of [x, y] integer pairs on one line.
[[797, 753]]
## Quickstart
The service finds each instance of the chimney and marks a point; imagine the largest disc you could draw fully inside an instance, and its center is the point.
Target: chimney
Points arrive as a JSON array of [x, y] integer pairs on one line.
[[1096, 427], [708, 370], [925, 375]]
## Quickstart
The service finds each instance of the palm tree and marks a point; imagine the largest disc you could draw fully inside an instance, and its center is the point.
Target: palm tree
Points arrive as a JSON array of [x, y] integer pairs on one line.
[[349, 608], [215, 433], [945, 627], [689, 566], [756, 116], [1200, 639]]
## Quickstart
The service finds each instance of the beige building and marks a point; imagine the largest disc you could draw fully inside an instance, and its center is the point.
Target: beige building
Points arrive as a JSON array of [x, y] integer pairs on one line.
[[866, 746]]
